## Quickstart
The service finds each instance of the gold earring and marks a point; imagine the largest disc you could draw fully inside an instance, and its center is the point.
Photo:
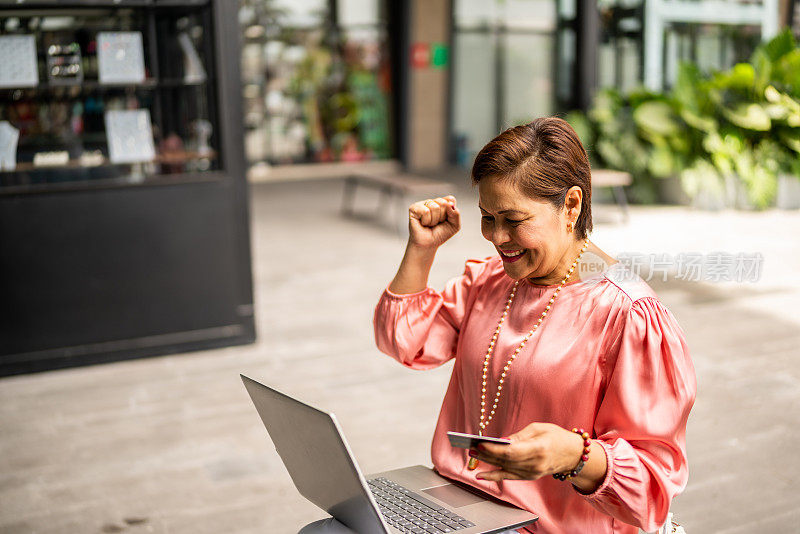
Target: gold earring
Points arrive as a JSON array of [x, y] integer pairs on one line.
[[569, 227]]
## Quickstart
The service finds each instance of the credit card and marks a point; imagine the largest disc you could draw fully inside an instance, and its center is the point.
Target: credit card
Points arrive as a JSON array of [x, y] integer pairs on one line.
[[470, 441]]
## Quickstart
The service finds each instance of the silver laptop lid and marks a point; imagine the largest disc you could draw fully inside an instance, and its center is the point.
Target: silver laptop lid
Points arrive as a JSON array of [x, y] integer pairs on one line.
[[314, 451]]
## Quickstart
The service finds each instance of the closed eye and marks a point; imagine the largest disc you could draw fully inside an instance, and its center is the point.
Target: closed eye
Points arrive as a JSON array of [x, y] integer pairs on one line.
[[512, 222]]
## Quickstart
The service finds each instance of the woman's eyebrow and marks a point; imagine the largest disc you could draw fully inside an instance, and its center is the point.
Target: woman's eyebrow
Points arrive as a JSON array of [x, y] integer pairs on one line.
[[502, 211]]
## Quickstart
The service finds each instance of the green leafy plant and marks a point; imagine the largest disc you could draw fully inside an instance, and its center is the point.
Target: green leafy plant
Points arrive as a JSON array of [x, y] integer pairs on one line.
[[741, 125]]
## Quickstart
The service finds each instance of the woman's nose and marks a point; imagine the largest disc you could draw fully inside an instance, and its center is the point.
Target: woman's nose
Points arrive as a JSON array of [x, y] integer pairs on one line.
[[499, 235]]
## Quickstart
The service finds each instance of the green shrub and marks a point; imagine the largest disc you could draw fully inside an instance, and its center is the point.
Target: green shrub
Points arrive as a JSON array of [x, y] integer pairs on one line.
[[741, 123]]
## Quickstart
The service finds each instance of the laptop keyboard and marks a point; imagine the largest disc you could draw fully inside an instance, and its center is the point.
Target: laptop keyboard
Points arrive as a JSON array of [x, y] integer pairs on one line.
[[411, 513]]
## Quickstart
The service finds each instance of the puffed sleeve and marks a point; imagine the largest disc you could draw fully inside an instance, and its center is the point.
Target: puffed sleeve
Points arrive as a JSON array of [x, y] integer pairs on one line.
[[641, 421], [420, 330]]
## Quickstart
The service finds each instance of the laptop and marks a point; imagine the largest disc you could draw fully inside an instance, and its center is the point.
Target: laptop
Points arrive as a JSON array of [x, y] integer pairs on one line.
[[408, 500]]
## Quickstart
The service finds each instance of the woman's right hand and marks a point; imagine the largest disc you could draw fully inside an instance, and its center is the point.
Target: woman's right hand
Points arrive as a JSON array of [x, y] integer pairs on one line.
[[433, 221]]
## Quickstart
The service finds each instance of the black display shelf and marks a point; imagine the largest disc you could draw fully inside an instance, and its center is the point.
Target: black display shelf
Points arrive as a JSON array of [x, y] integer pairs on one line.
[[114, 260]]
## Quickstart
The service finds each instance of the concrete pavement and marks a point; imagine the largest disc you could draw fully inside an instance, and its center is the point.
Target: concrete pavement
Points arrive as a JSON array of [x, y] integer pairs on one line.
[[172, 444]]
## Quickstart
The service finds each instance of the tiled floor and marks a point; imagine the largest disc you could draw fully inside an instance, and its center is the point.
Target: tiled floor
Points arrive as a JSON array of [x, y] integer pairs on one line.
[[173, 445]]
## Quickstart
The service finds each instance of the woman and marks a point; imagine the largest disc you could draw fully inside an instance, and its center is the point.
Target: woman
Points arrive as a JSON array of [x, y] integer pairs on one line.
[[544, 353]]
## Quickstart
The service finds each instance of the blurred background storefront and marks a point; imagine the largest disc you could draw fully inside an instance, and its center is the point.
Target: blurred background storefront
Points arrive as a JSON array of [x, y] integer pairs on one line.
[[331, 83], [221, 217]]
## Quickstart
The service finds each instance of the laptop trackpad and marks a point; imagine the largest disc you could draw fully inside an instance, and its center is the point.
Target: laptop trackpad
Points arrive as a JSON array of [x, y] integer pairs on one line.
[[453, 495]]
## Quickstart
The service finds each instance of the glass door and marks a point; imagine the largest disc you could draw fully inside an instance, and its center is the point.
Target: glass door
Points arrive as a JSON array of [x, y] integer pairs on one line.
[[316, 81], [504, 69]]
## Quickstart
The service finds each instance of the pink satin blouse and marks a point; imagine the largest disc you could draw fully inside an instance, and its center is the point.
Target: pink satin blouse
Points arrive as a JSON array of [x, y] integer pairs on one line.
[[608, 357]]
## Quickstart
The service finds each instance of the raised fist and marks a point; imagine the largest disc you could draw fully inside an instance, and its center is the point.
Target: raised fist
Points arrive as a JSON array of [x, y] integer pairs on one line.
[[433, 221]]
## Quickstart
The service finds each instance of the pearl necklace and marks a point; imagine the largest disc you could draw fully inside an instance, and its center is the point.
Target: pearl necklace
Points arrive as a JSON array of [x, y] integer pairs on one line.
[[484, 420]]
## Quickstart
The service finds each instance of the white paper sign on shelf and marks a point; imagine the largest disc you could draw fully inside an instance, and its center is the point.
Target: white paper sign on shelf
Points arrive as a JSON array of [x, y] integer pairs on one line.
[[9, 136], [18, 65], [120, 57], [55, 158], [130, 136]]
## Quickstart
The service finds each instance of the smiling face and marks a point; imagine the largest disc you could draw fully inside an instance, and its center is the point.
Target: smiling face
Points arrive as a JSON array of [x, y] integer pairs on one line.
[[530, 234]]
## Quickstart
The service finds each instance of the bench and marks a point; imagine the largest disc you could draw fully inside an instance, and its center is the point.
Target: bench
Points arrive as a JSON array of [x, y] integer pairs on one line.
[[616, 180], [395, 190]]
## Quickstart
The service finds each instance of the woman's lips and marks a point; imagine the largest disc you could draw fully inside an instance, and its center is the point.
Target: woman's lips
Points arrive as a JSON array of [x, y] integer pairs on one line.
[[511, 259]]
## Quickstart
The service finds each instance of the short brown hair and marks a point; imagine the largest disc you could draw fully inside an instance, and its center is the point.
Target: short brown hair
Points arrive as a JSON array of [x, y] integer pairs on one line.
[[545, 159]]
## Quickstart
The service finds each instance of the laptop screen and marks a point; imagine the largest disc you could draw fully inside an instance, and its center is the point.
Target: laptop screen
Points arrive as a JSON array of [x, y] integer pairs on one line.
[[317, 457]]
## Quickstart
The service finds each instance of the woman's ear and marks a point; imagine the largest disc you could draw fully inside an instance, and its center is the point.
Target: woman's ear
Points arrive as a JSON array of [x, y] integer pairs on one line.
[[572, 203]]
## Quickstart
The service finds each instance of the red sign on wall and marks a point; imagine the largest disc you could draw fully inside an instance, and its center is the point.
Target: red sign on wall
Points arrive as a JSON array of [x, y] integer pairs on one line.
[[420, 55]]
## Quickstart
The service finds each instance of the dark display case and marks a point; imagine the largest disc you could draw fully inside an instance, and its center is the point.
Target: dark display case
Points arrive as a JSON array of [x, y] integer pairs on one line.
[[123, 201]]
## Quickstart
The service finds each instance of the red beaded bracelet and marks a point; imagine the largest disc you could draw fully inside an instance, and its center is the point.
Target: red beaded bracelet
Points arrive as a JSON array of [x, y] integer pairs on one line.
[[584, 456]]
